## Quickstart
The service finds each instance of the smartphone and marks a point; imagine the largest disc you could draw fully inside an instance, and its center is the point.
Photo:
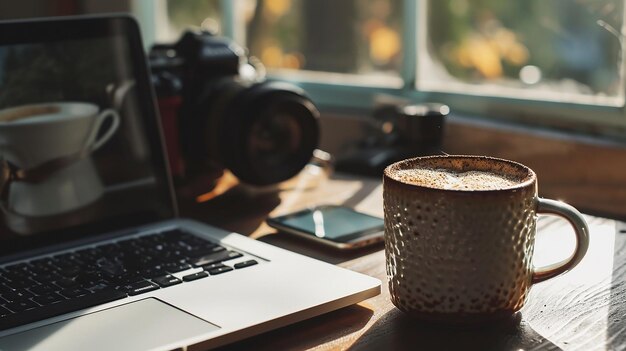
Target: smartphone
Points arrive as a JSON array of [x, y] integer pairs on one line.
[[338, 226]]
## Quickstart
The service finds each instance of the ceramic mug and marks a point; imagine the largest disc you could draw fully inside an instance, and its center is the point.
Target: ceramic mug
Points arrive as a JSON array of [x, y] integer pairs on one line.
[[36, 134], [33, 134], [463, 254]]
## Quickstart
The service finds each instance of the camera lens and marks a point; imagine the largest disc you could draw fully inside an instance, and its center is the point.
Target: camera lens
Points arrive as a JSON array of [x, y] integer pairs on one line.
[[268, 134], [264, 132]]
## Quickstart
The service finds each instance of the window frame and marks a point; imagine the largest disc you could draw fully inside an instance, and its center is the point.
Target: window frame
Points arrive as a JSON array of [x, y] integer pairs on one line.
[[579, 118]]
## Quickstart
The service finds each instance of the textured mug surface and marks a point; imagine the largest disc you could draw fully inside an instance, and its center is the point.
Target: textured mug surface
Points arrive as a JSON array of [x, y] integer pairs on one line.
[[460, 255]]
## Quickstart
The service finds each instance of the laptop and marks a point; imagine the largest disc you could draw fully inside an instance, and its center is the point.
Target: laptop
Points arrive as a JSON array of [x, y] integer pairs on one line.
[[93, 255]]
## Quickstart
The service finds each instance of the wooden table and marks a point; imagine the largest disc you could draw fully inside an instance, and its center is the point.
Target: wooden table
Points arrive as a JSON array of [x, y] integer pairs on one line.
[[584, 309]]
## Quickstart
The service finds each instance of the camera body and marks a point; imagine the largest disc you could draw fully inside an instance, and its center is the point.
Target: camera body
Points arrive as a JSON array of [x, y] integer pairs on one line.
[[396, 132], [218, 112]]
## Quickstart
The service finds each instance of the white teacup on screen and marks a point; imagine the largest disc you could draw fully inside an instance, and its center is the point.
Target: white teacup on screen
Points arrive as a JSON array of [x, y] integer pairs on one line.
[[31, 135]]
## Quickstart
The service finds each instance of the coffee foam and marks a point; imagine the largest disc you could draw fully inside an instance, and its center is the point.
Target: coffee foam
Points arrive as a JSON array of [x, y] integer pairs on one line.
[[11, 115], [452, 180]]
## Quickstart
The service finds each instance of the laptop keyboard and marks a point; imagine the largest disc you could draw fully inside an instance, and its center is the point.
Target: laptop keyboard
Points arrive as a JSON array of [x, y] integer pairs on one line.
[[58, 284]]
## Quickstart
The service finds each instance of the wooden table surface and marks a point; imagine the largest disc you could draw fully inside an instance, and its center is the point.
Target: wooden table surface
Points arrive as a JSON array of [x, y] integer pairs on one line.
[[584, 309]]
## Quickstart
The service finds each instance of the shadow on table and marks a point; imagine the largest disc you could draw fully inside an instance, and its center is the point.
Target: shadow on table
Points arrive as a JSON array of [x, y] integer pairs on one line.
[[367, 188], [235, 210], [311, 332], [397, 331]]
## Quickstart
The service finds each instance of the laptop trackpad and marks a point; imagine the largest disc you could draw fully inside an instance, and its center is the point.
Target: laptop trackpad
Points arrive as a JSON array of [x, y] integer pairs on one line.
[[141, 325]]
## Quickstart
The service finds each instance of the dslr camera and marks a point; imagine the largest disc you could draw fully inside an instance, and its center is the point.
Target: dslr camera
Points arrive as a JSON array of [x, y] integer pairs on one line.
[[218, 112]]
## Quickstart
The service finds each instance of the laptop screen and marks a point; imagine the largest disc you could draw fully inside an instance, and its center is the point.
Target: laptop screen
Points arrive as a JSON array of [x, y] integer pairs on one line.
[[80, 147]]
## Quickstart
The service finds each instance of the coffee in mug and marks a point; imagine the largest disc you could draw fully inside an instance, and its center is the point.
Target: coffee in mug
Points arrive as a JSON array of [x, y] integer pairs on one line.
[[446, 179], [460, 235]]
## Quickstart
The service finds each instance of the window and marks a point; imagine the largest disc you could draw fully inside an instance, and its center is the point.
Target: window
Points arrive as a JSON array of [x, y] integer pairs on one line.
[[558, 63], [174, 16], [559, 50], [360, 40]]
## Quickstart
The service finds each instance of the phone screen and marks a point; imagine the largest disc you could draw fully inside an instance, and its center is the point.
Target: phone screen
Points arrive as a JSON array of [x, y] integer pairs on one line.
[[341, 224]]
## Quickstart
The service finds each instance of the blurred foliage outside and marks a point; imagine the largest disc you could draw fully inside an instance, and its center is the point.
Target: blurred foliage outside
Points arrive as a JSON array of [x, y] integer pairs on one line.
[[565, 45]]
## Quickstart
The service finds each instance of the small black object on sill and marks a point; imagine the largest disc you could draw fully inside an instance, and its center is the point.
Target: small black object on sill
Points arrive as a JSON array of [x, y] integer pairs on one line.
[[397, 133]]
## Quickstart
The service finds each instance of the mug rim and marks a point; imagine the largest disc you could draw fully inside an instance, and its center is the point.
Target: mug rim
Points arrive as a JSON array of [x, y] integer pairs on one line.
[[51, 117], [528, 181]]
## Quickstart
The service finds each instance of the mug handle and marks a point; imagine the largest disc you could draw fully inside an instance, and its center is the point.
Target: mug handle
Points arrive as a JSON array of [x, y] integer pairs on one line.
[[115, 123], [581, 229]]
